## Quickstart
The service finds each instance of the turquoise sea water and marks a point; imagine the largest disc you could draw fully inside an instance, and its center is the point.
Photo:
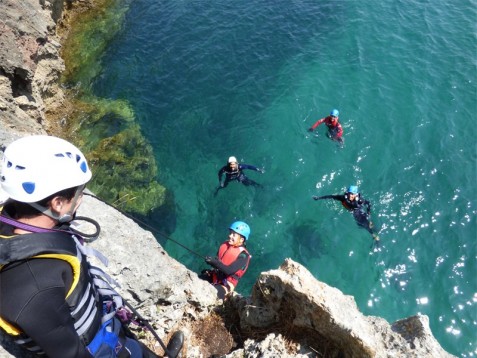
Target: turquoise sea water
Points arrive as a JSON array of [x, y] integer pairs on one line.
[[247, 78]]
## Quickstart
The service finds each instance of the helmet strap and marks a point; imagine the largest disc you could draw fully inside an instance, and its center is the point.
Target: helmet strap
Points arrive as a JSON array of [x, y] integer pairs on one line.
[[68, 216], [45, 211]]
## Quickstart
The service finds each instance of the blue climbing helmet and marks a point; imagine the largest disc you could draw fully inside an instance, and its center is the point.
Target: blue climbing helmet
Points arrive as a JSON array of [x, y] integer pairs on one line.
[[241, 228], [335, 113], [353, 189]]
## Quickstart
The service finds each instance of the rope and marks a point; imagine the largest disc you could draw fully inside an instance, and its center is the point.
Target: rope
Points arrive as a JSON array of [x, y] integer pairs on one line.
[[147, 226], [146, 323]]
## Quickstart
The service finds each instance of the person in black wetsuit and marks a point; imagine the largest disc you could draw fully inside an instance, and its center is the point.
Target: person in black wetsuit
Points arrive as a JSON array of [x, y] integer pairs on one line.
[[360, 207], [53, 302], [234, 171]]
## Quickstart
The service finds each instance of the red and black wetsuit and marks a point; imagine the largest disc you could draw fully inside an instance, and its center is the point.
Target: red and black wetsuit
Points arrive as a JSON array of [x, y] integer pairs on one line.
[[229, 266], [361, 209], [335, 131], [358, 203]]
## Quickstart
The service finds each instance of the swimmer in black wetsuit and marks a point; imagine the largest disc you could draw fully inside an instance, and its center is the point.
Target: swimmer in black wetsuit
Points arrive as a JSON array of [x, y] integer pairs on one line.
[[360, 207], [233, 171]]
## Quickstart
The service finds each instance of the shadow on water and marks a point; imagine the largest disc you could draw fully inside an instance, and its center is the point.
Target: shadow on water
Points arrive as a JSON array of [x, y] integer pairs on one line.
[[309, 243], [161, 221], [109, 125]]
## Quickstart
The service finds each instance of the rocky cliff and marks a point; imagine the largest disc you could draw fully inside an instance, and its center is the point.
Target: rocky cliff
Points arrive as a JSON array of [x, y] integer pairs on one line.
[[289, 314]]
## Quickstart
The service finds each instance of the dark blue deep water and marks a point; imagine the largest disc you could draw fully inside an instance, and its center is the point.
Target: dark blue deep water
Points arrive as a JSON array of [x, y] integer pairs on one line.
[[210, 79]]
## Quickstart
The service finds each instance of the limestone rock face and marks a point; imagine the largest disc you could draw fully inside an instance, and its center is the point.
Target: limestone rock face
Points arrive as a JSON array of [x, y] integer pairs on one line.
[[292, 302], [148, 276], [30, 64], [272, 346]]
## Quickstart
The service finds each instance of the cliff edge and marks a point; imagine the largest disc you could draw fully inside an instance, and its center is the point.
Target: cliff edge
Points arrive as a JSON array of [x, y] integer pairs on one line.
[[289, 313]]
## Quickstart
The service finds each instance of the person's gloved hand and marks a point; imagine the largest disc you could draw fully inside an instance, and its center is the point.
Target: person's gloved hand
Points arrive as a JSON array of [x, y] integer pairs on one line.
[[209, 260], [310, 129], [261, 170], [316, 197]]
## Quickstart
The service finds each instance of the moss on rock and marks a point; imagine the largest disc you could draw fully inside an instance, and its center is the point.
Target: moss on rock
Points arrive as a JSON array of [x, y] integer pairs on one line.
[[124, 170], [122, 161]]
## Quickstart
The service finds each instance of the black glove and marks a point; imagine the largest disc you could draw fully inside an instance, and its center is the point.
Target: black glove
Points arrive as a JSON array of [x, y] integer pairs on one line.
[[310, 129], [209, 260], [316, 197]]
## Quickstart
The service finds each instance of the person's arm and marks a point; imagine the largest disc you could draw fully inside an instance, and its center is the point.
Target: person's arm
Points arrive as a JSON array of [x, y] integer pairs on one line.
[[221, 172], [317, 123], [339, 131], [367, 204], [229, 270], [251, 167], [335, 197]]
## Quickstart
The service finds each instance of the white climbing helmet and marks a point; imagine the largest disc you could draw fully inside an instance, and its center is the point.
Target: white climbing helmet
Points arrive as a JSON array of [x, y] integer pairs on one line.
[[36, 167], [232, 160]]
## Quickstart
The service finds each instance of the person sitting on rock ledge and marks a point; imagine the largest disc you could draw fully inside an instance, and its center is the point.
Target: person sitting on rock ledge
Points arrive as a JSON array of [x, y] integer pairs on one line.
[[231, 262], [53, 301]]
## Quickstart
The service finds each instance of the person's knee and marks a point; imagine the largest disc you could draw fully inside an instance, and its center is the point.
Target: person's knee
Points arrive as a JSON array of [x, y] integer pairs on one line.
[[221, 291], [135, 348], [146, 352]]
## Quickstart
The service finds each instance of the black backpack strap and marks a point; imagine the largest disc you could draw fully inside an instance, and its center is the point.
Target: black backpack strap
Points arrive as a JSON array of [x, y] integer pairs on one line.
[[25, 246]]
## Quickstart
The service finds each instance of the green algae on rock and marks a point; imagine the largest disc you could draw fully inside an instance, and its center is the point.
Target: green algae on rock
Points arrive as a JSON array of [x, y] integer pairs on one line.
[[90, 31], [123, 163]]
